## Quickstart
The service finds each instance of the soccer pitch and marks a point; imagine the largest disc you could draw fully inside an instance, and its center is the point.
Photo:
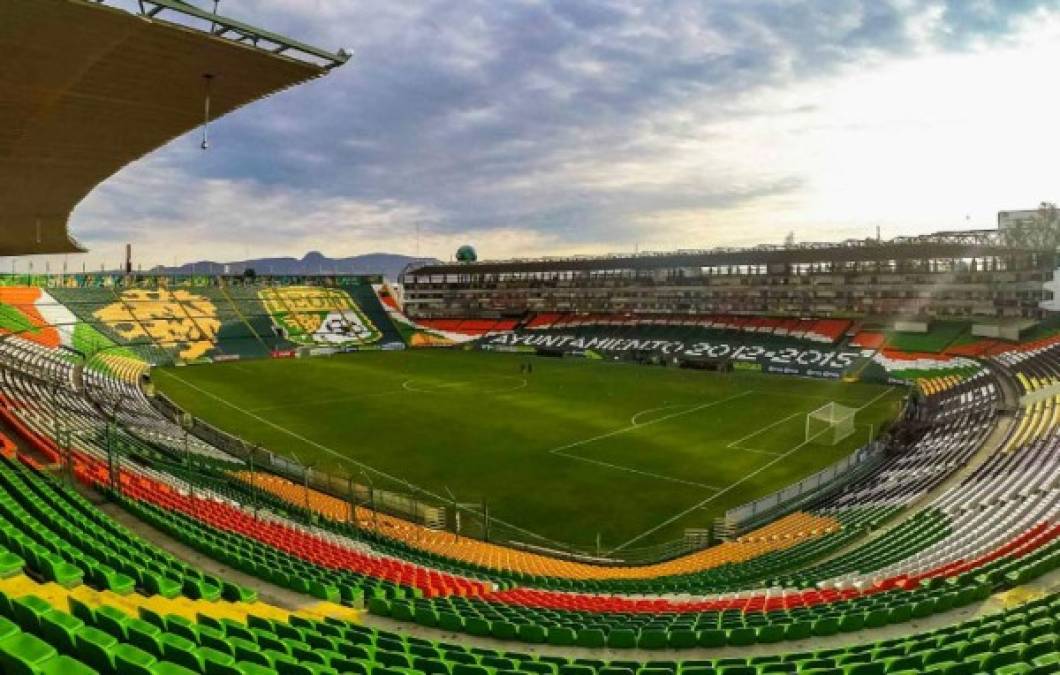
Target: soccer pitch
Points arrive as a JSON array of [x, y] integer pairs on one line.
[[573, 450]]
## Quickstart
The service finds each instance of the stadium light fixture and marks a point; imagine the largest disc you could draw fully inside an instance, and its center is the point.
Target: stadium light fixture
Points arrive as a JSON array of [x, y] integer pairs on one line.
[[208, 78]]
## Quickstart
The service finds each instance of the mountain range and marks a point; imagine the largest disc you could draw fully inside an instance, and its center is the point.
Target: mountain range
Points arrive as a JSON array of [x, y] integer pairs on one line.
[[390, 265]]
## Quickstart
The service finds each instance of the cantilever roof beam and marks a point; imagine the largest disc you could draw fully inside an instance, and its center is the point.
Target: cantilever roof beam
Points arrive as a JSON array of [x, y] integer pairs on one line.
[[238, 31]]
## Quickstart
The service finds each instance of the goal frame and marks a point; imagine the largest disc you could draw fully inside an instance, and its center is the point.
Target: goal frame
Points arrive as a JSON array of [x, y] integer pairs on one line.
[[839, 420]]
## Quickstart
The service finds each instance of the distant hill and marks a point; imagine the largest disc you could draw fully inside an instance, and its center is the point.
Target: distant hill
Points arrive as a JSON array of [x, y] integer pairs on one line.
[[389, 265]]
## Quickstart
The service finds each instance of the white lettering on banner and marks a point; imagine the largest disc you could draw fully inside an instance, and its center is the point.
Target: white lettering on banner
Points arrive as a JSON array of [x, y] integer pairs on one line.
[[792, 360]]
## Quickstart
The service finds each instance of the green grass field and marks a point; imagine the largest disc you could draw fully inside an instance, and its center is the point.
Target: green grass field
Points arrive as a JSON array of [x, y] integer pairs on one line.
[[575, 449]]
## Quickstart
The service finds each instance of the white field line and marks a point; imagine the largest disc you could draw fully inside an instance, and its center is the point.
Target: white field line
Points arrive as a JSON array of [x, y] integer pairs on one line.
[[743, 480], [325, 401], [657, 420], [647, 474], [736, 444], [366, 467], [636, 415], [562, 450], [406, 386], [522, 383]]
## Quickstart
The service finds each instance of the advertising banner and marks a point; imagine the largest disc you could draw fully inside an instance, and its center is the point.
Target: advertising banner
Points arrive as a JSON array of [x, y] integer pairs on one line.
[[817, 361]]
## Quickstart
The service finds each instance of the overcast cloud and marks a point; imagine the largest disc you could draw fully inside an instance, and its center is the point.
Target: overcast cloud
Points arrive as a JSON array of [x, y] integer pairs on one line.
[[575, 126]]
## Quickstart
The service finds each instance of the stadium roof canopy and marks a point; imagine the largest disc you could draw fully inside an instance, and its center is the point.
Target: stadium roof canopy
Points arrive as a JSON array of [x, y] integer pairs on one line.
[[939, 246], [86, 88]]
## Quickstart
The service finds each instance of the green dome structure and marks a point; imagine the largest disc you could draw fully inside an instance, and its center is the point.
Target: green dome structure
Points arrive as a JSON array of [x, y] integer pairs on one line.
[[466, 254]]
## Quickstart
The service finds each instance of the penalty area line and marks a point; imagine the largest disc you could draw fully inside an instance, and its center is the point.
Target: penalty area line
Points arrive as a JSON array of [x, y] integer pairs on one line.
[[562, 450], [743, 480]]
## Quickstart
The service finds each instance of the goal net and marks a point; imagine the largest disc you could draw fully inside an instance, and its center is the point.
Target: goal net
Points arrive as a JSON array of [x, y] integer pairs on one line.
[[830, 424]]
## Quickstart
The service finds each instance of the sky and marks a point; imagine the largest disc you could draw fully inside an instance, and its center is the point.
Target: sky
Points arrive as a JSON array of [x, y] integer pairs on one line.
[[530, 128]]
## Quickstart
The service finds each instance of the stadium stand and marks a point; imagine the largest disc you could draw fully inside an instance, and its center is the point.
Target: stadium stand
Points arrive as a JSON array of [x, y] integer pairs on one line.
[[810, 573]]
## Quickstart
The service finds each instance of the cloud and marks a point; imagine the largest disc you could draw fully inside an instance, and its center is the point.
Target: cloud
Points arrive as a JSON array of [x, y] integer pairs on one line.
[[557, 126]]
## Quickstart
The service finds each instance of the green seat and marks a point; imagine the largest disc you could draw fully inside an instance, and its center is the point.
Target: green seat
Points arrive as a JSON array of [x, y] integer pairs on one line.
[[741, 637], [81, 611], [96, 648], [113, 621], [61, 572], [712, 637], [825, 626], [7, 628], [532, 633], [24, 654], [622, 638], [682, 638], [653, 638], [60, 628], [170, 668], [131, 660], [28, 612], [65, 665], [478, 626], [216, 662], [449, 621], [851, 622], [10, 564], [590, 637], [250, 668], [181, 651], [145, 636], [562, 636], [159, 584], [865, 669]]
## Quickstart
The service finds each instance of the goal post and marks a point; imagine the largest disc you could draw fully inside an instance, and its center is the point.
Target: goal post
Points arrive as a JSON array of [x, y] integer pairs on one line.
[[830, 424]]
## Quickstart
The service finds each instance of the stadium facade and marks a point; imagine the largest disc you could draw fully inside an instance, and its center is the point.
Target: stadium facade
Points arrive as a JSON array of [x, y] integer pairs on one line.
[[969, 275]]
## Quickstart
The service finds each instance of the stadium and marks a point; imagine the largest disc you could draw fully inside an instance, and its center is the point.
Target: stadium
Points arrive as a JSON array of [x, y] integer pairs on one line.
[[836, 458]]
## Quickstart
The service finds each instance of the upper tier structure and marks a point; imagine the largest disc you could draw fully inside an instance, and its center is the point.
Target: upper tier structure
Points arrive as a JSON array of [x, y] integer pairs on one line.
[[950, 274]]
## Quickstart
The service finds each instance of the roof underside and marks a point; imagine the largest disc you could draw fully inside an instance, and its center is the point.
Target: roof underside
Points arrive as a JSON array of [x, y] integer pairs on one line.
[[86, 89], [833, 254]]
